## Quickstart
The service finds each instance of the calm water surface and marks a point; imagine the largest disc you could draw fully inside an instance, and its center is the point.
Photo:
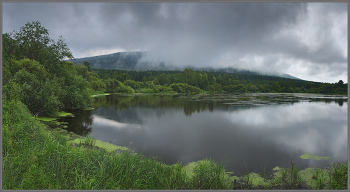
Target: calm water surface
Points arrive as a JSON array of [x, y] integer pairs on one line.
[[175, 129]]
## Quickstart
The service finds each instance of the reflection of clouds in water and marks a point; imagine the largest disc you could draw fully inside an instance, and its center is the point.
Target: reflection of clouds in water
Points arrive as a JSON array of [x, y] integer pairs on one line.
[[314, 128], [342, 142], [278, 116], [318, 142], [111, 123]]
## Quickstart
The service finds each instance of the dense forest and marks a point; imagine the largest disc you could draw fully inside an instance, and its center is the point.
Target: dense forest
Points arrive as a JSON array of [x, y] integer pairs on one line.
[[153, 81]]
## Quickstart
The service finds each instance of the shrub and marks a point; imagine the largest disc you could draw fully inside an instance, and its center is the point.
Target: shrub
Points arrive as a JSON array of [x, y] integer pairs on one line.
[[176, 88], [125, 89], [132, 84]]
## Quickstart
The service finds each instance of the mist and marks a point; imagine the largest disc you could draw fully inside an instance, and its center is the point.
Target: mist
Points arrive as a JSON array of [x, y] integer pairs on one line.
[[306, 40]]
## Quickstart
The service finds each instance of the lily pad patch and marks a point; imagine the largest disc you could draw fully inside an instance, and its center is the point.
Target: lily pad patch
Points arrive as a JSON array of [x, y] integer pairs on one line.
[[315, 157]]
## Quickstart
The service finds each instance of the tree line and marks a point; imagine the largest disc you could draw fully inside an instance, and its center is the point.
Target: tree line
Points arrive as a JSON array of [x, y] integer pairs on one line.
[[36, 74], [219, 82]]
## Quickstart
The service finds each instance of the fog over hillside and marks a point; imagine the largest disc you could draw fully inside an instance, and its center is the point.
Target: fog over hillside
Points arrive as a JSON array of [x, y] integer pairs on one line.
[[306, 40], [135, 61]]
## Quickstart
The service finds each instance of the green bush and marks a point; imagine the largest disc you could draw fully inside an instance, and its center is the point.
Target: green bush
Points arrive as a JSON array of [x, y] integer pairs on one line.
[[176, 88], [208, 175], [185, 88], [12, 91], [147, 90], [125, 89], [132, 84]]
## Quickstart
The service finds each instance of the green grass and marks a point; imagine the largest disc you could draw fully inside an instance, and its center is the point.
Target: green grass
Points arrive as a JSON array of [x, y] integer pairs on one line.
[[45, 118], [35, 158], [64, 114]]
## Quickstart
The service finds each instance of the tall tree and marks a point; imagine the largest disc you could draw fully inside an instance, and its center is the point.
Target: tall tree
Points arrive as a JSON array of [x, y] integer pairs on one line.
[[226, 80], [87, 64], [211, 78], [32, 41], [219, 79]]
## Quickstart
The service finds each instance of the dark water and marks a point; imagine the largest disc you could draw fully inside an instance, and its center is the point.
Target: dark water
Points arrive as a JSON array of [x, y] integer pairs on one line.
[[176, 129]]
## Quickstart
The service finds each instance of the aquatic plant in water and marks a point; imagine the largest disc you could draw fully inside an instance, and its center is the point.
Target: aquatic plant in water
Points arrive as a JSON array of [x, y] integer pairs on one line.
[[315, 157]]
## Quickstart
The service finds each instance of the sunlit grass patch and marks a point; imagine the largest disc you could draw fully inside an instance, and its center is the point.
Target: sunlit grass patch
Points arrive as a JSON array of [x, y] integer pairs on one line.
[[101, 144], [46, 118], [64, 114]]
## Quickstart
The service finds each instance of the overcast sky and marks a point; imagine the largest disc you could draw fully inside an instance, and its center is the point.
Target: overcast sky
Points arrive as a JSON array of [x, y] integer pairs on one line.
[[306, 40]]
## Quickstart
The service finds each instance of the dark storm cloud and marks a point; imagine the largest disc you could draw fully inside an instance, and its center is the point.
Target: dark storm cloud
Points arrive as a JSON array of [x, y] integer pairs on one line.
[[301, 39]]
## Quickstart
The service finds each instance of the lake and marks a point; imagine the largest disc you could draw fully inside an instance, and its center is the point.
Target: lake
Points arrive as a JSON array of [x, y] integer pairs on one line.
[[259, 130]]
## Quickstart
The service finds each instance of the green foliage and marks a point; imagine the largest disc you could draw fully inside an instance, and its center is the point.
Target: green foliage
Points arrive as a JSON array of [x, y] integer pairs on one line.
[[157, 89], [87, 65], [96, 83], [31, 66], [89, 140], [185, 88], [12, 91], [125, 89], [339, 176], [83, 71], [49, 95], [133, 84], [176, 88], [219, 79], [36, 75], [326, 88], [19, 127], [208, 82], [33, 42], [211, 78], [208, 175], [115, 86]]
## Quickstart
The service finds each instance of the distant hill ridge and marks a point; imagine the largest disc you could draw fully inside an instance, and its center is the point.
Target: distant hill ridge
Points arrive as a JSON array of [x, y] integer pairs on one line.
[[131, 61]]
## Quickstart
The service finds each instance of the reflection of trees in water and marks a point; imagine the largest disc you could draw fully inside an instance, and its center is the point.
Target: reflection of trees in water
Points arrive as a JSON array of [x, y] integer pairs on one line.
[[191, 107], [340, 102], [98, 102], [80, 123], [154, 101]]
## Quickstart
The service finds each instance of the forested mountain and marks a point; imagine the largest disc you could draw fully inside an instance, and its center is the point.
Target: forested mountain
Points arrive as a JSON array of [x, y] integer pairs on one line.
[[132, 61]]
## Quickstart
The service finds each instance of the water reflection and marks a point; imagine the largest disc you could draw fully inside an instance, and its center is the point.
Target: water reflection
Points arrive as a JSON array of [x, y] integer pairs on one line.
[[98, 120], [81, 123], [176, 129]]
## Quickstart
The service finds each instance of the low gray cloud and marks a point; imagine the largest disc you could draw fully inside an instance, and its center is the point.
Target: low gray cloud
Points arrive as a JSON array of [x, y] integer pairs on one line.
[[302, 39]]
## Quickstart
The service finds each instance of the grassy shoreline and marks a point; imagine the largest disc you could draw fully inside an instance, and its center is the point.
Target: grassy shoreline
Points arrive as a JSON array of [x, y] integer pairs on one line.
[[37, 158]]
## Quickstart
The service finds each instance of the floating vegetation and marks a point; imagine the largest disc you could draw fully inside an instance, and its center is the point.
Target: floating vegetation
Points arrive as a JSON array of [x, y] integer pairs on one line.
[[45, 118], [315, 157], [64, 114]]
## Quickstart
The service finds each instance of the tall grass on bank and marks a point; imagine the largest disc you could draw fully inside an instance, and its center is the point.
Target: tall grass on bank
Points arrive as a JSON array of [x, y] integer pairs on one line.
[[338, 175], [333, 177]]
